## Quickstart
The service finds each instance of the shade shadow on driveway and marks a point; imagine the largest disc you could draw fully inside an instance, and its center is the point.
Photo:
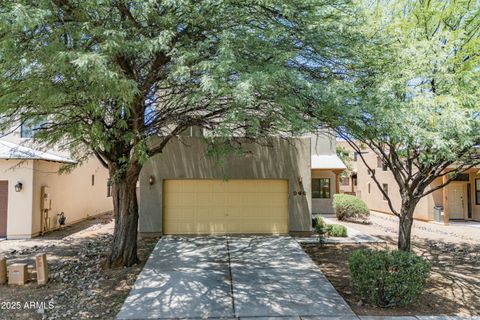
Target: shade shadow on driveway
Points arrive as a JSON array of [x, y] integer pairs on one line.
[[231, 277]]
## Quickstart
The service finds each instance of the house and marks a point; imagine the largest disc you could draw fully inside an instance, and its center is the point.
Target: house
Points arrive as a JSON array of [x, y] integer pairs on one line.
[[459, 200], [33, 193], [273, 187]]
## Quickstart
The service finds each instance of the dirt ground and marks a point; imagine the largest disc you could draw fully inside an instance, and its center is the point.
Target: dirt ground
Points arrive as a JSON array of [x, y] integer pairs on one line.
[[453, 287], [79, 286]]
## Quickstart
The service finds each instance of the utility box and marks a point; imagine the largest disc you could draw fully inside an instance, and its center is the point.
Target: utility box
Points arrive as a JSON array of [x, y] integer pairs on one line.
[[3, 270], [18, 274], [42, 269], [438, 213]]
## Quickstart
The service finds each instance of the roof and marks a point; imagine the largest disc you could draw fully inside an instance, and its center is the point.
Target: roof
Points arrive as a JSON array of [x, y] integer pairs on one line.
[[331, 161], [9, 150]]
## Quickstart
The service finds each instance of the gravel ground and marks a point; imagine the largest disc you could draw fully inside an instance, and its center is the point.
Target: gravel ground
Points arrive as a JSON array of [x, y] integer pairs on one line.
[[79, 287], [453, 287]]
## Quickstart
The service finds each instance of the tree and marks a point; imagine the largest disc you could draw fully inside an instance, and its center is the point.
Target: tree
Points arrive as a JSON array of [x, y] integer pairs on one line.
[[106, 76], [415, 99]]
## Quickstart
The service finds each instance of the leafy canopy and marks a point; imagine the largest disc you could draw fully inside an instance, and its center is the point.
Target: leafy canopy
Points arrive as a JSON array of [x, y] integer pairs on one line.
[[111, 74], [415, 96]]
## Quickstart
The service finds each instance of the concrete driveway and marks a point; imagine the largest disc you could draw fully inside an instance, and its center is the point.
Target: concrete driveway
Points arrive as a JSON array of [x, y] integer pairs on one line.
[[232, 277]]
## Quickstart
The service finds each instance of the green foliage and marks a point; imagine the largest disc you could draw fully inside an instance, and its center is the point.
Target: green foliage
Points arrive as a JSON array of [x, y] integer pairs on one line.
[[337, 230], [320, 225], [414, 98], [347, 206], [344, 155], [387, 278]]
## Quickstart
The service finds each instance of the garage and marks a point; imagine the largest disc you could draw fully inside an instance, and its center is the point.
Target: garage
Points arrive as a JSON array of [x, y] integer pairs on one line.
[[204, 206]]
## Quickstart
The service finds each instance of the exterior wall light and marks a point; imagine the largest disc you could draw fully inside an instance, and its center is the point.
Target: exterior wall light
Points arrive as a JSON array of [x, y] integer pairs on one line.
[[151, 180], [18, 186]]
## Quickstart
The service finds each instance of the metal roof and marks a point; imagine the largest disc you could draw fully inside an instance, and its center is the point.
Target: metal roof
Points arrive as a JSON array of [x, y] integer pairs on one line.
[[10, 150], [331, 161]]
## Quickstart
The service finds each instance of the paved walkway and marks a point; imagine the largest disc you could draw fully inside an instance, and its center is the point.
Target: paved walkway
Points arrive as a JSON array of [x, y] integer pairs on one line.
[[353, 236], [232, 277]]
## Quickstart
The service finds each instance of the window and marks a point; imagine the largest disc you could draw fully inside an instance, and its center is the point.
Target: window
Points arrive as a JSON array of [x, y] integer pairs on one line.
[[385, 189], [355, 156], [28, 128], [384, 166], [109, 189], [477, 191], [461, 177], [369, 190], [345, 181], [321, 188], [93, 179], [379, 162]]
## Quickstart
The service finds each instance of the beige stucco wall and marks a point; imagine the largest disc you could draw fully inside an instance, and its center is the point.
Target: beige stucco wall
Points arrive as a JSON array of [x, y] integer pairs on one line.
[[19, 217], [71, 193], [323, 143], [324, 205], [424, 209], [187, 158]]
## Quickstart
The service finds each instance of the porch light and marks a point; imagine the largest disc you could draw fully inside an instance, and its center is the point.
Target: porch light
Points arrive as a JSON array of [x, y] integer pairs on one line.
[[151, 180], [18, 186]]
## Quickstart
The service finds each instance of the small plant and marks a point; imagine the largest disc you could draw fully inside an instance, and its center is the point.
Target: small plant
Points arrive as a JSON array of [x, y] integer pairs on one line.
[[387, 278], [347, 206], [321, 229], [336, 230]]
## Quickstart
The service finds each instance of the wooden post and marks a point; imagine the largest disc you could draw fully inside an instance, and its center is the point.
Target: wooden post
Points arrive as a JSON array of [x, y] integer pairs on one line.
[[42, 270], [446, 217], [3, 270], [337, 182]]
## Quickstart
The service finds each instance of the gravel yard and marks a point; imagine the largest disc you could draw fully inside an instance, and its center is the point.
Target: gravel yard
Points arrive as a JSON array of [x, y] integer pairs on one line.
[[454, 252], [79, 286]]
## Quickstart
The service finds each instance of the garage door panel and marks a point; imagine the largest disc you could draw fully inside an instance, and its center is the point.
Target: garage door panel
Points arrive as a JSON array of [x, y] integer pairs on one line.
[[220, 207], [180, 200]]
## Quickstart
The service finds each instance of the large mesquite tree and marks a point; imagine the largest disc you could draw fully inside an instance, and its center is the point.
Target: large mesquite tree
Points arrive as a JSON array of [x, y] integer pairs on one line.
[[415, 97], [103, 76]]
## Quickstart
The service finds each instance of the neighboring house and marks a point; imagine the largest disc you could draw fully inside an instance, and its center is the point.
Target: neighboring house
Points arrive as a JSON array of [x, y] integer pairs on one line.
[[33, 194], [272, 189], [460, 199]]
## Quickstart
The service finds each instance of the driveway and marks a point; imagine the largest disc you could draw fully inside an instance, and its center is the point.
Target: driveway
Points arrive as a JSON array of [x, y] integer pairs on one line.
[[232, 277]]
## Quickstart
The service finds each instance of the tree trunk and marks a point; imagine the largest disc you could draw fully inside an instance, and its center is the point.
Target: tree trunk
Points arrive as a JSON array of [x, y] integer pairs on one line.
[[125, 207], [405, 228]]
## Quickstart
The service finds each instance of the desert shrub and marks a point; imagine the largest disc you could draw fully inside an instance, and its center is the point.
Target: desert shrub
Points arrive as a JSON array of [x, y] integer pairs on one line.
[[348, 206], [387, 278], [320, 226], [336, 230]]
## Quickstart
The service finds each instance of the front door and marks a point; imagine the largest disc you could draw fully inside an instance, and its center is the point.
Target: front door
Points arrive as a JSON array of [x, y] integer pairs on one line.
[[456, 200], [3, 208]]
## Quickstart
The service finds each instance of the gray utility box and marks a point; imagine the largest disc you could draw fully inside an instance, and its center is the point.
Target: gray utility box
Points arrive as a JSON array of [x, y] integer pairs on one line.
[[438, 213]]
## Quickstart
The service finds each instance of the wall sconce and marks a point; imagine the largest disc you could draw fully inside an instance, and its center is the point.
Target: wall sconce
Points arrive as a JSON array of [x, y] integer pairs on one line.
[[151, 180], [18, 186]]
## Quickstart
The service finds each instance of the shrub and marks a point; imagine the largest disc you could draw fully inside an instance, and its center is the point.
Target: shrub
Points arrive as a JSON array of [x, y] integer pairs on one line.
[[348, 206], [336, 230], [387, 278]]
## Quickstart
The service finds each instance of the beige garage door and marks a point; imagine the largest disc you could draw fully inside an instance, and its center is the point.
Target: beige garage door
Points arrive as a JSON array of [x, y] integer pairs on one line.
[[219, 206]]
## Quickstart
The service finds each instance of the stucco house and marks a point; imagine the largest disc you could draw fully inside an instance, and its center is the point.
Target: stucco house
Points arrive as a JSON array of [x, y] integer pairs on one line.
[[459, 200], [33, 194], [272, 188]]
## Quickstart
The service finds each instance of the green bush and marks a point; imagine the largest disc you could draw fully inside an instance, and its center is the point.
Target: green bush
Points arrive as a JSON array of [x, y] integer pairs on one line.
[[320, 226], [387, 278], [348, 206], [336, 230]]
